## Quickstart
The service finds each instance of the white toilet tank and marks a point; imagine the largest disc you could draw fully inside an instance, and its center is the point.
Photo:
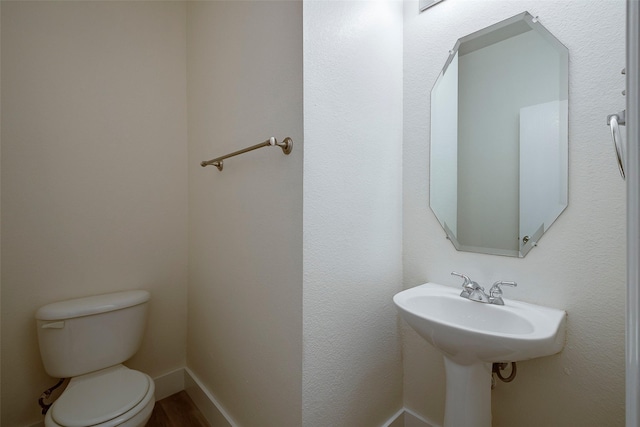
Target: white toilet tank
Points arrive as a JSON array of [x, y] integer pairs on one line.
[[83, 335]]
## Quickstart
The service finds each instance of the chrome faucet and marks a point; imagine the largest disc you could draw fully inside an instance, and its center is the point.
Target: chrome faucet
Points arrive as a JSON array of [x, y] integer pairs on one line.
[[473, 291]]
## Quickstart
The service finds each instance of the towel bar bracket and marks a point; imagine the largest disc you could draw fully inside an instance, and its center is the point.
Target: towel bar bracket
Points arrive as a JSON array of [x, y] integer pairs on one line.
[[286, 145]]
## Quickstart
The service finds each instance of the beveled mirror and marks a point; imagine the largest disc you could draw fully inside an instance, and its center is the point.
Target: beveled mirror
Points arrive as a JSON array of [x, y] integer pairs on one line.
[[499, 137]]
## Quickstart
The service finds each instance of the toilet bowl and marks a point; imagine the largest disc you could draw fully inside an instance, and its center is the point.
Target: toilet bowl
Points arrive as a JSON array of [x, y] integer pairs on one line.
[[86, 340], [116, 396]]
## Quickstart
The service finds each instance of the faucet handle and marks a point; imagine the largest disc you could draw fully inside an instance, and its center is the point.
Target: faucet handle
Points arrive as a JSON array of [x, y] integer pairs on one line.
[[468, 285], [495, 293], [466, 278]]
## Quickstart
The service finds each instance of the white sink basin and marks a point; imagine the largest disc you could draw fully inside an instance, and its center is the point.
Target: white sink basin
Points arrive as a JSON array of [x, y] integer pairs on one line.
[[472, 335], [467, 331]]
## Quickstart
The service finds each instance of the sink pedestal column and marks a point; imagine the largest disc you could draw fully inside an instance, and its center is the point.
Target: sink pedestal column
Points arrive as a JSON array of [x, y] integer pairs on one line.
[[468, 398]]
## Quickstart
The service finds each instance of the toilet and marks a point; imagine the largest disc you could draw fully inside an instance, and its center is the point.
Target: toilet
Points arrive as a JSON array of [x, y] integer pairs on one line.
[[86, 340]]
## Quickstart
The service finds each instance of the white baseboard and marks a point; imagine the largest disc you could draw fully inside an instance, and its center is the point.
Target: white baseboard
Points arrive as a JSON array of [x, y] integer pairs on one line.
[[218, 417], [169, 383], [407, 418], [396, 420], [411, 419], [206, 402], [184, 379]]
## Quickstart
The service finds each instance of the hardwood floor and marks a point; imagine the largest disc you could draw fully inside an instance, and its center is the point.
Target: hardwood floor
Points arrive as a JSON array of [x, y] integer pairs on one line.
[[177, 410]]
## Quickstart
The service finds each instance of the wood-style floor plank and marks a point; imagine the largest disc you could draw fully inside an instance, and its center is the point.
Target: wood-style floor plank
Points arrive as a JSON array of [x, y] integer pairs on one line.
[[158, 417], [177, 410]]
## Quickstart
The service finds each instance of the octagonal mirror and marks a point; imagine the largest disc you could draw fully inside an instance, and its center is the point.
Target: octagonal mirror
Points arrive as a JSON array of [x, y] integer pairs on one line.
[[499, 138]]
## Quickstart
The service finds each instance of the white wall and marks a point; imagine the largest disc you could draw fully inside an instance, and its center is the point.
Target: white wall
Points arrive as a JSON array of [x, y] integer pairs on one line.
[[352, 212], [579, 264], [245, 231], [94, 178]]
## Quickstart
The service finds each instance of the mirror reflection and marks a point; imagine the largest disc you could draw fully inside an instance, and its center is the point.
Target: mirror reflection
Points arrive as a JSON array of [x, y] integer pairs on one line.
[[499, 137]]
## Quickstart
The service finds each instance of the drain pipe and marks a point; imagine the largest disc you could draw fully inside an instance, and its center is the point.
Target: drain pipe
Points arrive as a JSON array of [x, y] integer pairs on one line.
[[497, 369]]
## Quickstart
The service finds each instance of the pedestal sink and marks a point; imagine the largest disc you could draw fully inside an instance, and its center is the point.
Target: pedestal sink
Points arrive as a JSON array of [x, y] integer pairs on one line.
[[473, 335]]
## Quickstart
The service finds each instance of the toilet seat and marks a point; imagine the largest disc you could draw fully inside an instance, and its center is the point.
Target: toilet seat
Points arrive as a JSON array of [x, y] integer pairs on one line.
[[105, 398]]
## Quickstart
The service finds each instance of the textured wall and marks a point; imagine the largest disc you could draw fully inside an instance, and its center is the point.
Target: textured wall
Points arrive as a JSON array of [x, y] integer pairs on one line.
[[352, 212], [94, 178], [245, 231], [579, 264]]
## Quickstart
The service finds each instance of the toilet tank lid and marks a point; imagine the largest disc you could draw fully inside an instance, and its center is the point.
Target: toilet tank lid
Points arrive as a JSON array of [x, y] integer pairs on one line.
[[87, 306]]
